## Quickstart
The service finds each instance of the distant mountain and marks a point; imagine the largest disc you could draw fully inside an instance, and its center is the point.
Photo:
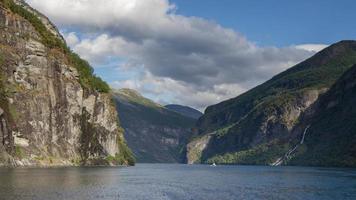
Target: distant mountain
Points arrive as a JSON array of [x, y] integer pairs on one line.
[[153, 132], [262, 126], [185, 110]]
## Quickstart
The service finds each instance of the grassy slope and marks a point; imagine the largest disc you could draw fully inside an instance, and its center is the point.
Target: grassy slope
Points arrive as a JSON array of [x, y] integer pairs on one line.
[[151, 112], [237, 120]]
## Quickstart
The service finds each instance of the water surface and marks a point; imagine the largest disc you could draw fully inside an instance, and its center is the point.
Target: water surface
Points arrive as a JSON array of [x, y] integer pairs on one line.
[[178, 182]]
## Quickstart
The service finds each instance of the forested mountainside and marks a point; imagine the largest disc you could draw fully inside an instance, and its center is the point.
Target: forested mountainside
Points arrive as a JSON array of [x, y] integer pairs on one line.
[[53, 109], [260, 126], [330, 136], [153, 132]]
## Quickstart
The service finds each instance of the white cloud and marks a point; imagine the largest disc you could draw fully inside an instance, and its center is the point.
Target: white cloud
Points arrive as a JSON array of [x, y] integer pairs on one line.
[[71, 38], [108, 14], [132, 84], [162, 89], [312, 47], [186, 60]]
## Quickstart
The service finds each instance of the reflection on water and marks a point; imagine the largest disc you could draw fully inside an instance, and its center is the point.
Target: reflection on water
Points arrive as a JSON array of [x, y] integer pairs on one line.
[[60, 183], [166, 181]]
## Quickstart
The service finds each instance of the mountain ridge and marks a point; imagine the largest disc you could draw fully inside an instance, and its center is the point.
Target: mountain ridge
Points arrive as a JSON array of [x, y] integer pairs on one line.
[[249, 126], [153, 132], [184, 110]]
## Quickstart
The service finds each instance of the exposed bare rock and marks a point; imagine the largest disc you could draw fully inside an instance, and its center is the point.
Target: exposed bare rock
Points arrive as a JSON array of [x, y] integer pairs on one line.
[[47, 116]]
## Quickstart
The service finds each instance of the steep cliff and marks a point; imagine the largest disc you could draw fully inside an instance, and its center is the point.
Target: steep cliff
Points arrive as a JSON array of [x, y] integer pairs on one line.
[[154, 133], [257, 126], [53, 110]]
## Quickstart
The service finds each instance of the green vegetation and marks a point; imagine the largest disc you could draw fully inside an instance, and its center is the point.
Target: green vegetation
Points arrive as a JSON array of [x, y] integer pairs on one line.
[[133, 96], [148, 110], [222, 131], [238, 121], [48, 38], [120, 159], [2, 59], [39, 158], [18, 152], [320, 71], [331, 139], [86, 73], [125, 154], [13, 112], [124, 158], [57, 48], [155, 133], [263, 154]]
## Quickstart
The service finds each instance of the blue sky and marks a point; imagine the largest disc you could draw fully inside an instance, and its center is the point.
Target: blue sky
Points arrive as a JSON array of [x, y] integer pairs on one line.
[[195, 52], [279, 22]]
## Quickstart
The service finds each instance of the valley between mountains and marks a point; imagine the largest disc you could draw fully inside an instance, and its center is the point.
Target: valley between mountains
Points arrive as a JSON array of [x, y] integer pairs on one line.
[[303, 116], [54, 111]]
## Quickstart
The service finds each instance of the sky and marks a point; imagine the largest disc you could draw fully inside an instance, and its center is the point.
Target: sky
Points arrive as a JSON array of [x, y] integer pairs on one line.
[[197, 52]]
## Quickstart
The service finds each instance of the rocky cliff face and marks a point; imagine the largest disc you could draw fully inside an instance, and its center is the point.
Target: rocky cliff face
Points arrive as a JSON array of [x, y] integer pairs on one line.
[[154, 133], [47, 115], [257, 126]]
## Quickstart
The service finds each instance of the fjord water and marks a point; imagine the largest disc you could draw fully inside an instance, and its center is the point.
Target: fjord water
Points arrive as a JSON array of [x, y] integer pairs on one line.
[[178, 182]]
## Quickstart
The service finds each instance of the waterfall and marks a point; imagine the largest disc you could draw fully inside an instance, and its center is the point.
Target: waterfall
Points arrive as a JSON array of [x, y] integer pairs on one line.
[[288, 155], [305, 132]]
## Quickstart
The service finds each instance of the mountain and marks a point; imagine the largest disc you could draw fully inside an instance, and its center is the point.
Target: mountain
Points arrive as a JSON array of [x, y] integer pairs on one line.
[[153, 132], [258, 126], [53, 109], [330, 139], [185, 110]]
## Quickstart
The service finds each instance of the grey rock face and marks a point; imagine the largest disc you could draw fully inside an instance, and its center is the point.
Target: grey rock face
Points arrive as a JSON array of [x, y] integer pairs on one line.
[[46, 116], [49, 25]]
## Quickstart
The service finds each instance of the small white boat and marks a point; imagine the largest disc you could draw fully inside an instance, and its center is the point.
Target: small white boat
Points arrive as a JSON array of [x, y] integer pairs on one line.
[[213, 165]]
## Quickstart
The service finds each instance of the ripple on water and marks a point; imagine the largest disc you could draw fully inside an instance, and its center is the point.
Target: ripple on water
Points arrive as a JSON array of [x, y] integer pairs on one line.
[[178, 182]]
